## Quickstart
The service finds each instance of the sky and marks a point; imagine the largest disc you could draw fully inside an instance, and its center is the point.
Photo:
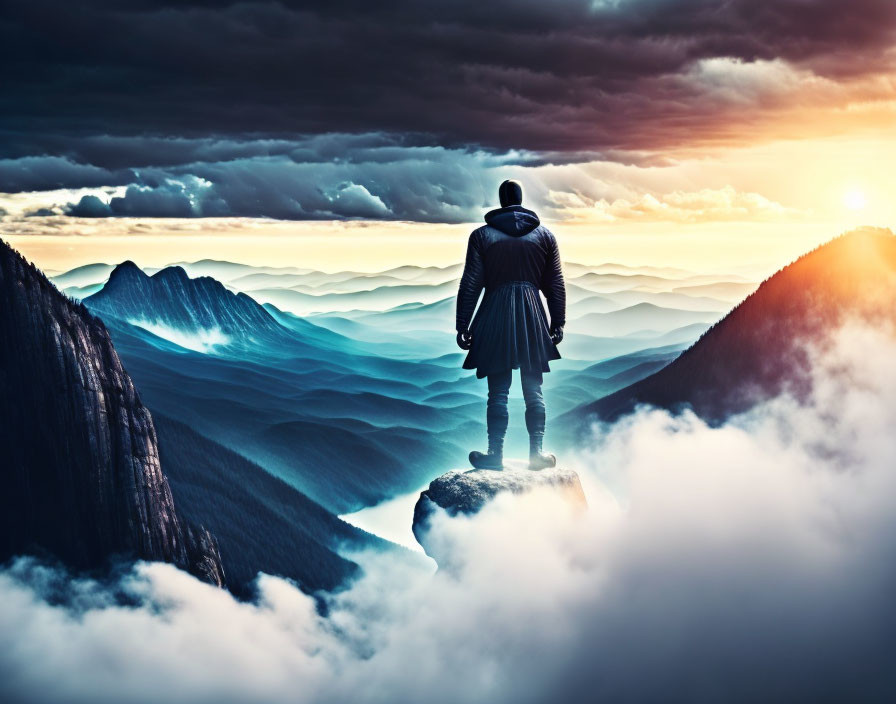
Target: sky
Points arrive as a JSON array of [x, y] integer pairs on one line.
[[703, 134]]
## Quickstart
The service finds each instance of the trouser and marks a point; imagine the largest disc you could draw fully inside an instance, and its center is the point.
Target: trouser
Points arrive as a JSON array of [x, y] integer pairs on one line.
[[497, 416]]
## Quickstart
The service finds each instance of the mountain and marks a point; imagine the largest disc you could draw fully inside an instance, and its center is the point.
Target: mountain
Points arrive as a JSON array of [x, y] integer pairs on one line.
[[613, 282], [265, 402], [761, 347], [351, 408], [568, 389], [725, 290], [642, 316], [261, 523], [170, 300], [593, 304], [438, 316], [590, 349], [574, 269], [663, 299], [375, 299], [228, 271], [81, 473], [79, 293], [86, 275], [349, 281]]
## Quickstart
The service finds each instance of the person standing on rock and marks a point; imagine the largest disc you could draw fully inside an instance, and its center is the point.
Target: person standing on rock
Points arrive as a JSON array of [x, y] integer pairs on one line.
[[513, 257]]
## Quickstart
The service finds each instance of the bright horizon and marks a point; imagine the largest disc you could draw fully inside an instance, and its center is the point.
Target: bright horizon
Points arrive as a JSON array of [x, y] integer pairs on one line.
[[315, 251], [731, 209]]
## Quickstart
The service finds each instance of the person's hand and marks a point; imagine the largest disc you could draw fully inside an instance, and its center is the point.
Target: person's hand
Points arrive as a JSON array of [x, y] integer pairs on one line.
[[557, 334], [465, 339]]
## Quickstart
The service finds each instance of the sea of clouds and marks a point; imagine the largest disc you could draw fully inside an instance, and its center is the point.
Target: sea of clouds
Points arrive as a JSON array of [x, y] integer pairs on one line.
[[755, 561]]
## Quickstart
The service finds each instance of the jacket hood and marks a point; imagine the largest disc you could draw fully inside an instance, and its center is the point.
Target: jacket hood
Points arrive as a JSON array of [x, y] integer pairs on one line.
[[514, 220]]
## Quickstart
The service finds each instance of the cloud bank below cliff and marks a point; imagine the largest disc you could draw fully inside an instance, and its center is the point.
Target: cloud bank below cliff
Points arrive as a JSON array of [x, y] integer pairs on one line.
[[747, 562]]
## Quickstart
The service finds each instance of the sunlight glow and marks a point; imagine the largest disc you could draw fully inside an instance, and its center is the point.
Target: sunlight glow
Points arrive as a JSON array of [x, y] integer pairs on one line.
[[855, 199]]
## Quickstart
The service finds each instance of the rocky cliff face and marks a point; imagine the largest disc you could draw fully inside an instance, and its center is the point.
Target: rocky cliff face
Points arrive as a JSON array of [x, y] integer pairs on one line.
[[172, 298], [80, 465], [459, 492]]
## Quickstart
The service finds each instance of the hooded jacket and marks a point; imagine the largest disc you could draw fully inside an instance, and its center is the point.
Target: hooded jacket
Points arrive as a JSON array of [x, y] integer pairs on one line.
[[513, 246], [511, 257]]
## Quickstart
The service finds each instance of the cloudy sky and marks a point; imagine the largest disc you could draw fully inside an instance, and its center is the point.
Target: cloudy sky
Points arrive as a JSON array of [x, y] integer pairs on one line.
[[700, 132]]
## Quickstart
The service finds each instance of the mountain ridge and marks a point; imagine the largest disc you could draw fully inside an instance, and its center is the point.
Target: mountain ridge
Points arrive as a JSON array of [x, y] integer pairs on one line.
[[758, 350], [169, 297]]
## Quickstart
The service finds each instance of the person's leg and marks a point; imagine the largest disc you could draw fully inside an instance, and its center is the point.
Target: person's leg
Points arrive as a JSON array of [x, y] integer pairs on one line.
[[535, 413], [496, 412], [535, 419], [496, 419]]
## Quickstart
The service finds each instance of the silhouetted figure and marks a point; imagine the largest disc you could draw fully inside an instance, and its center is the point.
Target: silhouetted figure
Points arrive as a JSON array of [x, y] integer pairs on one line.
[[512, 257]]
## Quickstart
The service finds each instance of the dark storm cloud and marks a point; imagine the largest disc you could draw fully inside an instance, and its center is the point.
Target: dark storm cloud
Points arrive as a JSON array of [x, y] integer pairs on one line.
[[44, 173], [308, 110], [39, 213], [565, 75]]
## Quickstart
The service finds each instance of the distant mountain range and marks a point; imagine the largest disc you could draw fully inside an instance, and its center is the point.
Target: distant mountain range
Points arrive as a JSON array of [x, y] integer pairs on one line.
[[761, 348], [378, 298], [87, 275], [346, 430], [81, 474], [366, 398], [416, 304], [337, 419], [271, 423], [375, 376], [169, 299], [643, 317]]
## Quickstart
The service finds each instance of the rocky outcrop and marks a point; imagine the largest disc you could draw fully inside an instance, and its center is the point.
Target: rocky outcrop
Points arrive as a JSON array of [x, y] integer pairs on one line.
[[80, 464], [171, 298], [459, 492]]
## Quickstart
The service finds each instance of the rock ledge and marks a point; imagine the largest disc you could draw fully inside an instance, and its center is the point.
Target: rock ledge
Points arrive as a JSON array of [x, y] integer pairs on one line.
[[467, 492]]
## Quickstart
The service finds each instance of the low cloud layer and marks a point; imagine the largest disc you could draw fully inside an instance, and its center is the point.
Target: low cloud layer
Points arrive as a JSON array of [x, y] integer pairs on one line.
[[329, 177], [749, 562], [347, 177], [705, 205], [424, 185]]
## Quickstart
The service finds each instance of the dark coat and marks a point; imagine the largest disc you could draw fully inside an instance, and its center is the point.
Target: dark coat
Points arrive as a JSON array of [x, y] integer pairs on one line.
[[512, 257]]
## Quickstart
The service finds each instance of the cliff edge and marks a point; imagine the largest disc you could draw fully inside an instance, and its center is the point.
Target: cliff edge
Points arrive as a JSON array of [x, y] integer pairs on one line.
[[80, 471], [467, 492]]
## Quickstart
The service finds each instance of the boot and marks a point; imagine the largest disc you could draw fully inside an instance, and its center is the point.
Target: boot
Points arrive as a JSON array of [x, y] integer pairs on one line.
[[497, 426], [538, 459], [542, 460], [487, 460]]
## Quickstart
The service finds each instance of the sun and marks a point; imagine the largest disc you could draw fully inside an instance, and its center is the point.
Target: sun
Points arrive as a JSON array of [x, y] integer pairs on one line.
[[855, 199]]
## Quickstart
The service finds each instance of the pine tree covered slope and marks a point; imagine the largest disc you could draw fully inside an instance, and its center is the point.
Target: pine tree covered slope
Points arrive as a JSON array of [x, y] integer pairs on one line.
[[261, 523]]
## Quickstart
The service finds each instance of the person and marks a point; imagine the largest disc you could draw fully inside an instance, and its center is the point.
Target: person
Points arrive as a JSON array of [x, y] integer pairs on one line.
[[513, 257]]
